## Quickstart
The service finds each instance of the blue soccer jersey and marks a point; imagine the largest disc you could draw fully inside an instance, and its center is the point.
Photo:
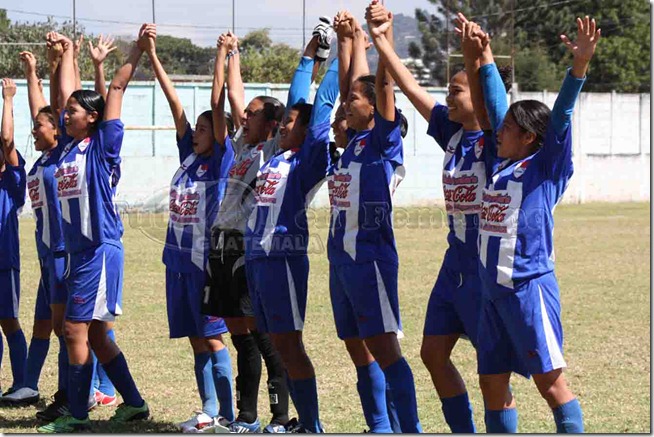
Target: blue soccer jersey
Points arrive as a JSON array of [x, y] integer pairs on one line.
[[196, 191], [464, 177], [287, 182], [12, 199], [361, 186], [87, 175], [42, 189], [516, 221]]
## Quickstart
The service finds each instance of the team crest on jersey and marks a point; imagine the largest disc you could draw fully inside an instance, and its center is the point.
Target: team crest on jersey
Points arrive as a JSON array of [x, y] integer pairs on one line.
[[45, 157], [358, 147], [255, 150], [479, 147], [202, 170], [84, 144], [519, 169]]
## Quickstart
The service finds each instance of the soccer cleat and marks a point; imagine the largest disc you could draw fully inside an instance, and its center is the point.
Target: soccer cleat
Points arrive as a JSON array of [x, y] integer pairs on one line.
[[103, 400], [325, 33], [198, 422], [8, 392], [220, 425], [274, 428], [21, 397], [295, 427], [65, 424], [127, 413], [240, 427], [58, 408]]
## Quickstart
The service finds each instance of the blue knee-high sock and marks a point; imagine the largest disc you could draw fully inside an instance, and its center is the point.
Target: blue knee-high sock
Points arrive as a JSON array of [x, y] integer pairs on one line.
[[79, 385], [371, 385], [221, 365], [569, 418], [501, 421], [306, 393], [18, 357], [391, 410], [94, 377], [400, 379], [35, 359], [458, 414], [204, 380], [104, 384], [62, 363], [291, 389], [118, 372]]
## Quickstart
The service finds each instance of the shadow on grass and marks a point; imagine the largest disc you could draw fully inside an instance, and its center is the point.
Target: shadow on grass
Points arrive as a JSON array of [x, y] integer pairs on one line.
[[102, 426]]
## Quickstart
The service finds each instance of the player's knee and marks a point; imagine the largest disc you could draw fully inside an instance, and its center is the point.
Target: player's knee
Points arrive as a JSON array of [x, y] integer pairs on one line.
[[431, 357], [9, 326], [42, 329], [494, 389]]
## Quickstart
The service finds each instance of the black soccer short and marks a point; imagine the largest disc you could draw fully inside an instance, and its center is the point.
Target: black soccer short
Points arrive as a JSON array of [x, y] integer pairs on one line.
[[226, 291]]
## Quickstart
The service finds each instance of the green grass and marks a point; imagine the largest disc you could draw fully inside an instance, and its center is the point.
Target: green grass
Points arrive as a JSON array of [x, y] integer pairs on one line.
[[603, 267]]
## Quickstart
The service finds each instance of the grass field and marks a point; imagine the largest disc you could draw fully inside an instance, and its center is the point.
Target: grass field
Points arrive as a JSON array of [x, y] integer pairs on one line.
[[603, 253]]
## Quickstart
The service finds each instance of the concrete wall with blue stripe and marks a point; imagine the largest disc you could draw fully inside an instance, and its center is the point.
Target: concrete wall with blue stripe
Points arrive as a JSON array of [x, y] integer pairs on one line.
[[611, 143]]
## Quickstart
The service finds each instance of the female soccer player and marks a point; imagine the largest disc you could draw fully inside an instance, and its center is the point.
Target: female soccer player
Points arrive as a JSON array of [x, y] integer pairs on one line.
[[195, 193], [228, 294], [52, 292], [104, 391], [86, 175], [12, 198], [454, 303], [361, 247], [520, 323], [277, 233]]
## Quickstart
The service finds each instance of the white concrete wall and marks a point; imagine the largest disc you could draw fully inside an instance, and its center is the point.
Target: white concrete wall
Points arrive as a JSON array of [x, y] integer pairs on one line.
[[611, 144]]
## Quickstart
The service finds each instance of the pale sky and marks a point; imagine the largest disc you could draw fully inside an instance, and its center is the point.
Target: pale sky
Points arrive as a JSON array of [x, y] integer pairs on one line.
[[200, 20]]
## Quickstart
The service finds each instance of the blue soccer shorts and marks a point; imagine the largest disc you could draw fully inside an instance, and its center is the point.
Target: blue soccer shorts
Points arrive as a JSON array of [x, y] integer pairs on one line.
[[278, 291], [522, 331], [364, 299], [454, 305], [95, 283], [52, 286], [184, 293], [9, 293]]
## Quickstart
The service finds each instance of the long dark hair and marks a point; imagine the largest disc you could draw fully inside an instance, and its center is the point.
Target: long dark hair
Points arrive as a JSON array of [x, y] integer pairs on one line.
[[531, 116], [91, 101]]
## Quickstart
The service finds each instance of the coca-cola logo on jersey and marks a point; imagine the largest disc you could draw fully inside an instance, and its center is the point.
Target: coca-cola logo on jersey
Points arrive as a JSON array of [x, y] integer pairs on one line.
[[461, 193], [494, 212], [339, 186], [183, 206], [33, 191], [267, 184], [239, 170], [68, 180]]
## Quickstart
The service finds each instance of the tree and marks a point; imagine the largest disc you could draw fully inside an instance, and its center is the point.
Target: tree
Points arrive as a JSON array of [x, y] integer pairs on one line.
[[263, 61], [621, 63]]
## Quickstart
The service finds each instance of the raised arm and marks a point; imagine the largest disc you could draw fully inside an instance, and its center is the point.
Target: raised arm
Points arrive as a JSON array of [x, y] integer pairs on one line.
[[54, 53], [235, 88], [176, 107], [8, 146], [473, 44], [98, 54], [77, 49], [66, 67], [582, 51], [345, 36], [303, 76], [34, 91], [218, 89], [124, 74], [380, 20], [418, 97], [359, 66]]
